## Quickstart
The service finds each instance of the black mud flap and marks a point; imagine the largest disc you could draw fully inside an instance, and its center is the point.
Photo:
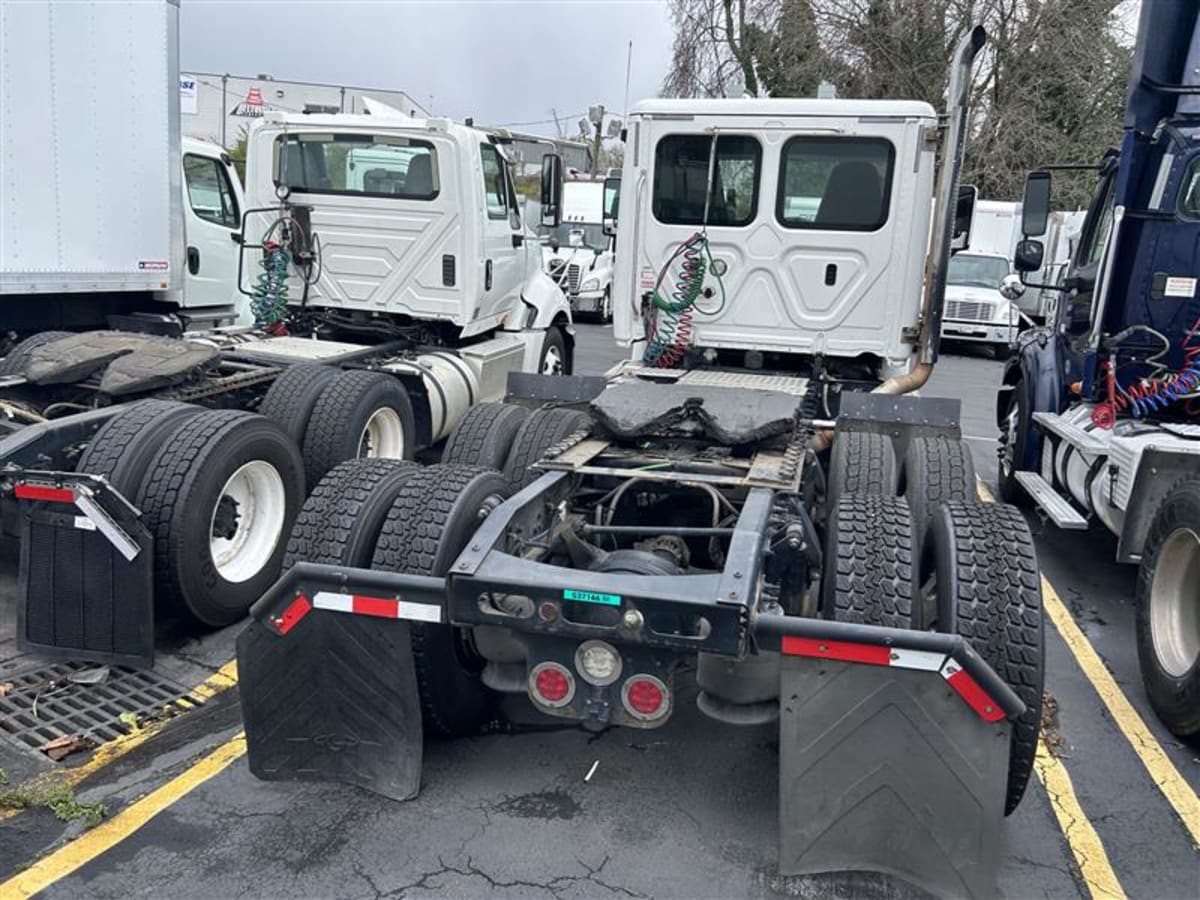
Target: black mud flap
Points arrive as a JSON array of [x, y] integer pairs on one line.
[[85, 582], [886, 769], [329, 696]]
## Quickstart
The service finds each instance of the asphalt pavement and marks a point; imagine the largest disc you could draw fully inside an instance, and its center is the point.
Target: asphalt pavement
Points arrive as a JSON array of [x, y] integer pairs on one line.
[[687, 810]]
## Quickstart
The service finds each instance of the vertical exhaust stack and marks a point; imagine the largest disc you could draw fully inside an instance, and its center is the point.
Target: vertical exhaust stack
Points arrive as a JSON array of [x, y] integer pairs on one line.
[[947, 190]]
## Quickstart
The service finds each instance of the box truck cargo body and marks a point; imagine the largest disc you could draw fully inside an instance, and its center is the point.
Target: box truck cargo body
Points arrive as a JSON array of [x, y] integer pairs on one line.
[[92, 188]]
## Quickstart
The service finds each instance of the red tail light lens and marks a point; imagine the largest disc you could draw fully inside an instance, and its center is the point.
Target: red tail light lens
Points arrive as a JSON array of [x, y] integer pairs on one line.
[[551, 684], [646, 697]]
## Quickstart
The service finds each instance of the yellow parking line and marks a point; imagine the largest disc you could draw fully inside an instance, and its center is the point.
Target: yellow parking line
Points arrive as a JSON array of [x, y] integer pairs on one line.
[[1159, 766], [1162, 771], [65, 860], [221, 680], [1090, 857]]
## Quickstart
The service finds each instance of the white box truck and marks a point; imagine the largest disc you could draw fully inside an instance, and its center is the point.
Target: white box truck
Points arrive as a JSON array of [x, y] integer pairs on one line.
[[107, 211], [975, 309], [578, 254]]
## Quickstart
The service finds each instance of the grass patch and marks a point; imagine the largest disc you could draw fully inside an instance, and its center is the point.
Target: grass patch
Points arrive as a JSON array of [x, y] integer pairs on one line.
[[59, 798]]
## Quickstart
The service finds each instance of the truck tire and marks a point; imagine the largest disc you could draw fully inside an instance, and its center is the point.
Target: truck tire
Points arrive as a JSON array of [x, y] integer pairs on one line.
[[1168, 610], [553, 360], [219, 498], [606, 307], [122, 448], [359, 414], [339, 522], [485, 435], [861, 462], [14, 362], [540, 431], [868, 571], [291, 397], [433, 517], [1014, 438], [936, 469], [988, 589]]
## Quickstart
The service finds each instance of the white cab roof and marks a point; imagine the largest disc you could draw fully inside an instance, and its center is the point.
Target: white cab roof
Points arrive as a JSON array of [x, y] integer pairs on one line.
[[789, 106]]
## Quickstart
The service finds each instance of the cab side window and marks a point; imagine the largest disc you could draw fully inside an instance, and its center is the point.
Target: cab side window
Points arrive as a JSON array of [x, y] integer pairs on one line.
[[495, 182], [681, 175], [209, 192], [1094, 239], [1189, 192]]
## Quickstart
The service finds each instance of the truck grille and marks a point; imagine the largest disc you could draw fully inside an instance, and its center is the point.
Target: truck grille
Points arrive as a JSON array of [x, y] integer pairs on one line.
[[970, 310], [573, 278]]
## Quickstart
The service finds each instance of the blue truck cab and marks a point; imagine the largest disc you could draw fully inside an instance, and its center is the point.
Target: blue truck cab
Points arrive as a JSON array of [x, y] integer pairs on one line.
[[1099, 410]]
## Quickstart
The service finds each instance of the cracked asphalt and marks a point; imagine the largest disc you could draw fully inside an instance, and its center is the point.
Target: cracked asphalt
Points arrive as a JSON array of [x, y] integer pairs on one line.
[[688, 810]]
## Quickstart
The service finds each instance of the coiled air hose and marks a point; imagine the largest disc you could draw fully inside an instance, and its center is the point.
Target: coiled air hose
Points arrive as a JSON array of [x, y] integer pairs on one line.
[[269, 295], [669, 318]]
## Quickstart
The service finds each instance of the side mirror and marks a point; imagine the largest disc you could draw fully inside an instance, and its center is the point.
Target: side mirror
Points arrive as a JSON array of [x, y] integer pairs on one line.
[[1028, 256], [1011, 287], [964, 215], [612, 200], [1035, 207], [552, 188]]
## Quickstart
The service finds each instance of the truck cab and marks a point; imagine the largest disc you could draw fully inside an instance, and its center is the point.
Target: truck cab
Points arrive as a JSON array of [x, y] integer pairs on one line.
[[1099, 411], [976, 310], [415, 221], [212, 222], [815, 221], [578, 254]]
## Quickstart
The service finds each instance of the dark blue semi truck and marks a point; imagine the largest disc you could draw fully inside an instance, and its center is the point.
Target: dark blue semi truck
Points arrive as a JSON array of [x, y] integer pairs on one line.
[[1099, 411]]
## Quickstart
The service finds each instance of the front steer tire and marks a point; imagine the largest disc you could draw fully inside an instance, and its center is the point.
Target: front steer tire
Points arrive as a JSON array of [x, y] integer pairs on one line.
[[179, 499], [1168, 610], [435, 514], [988, 590]]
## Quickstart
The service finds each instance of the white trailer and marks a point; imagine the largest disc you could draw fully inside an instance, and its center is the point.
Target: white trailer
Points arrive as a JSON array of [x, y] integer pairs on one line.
[[107, 210]]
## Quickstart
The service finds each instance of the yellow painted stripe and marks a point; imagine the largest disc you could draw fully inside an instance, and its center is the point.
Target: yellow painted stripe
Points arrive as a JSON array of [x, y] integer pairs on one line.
[[1162, 771], [89, 845], [1090, 857], [1160, 768], [221, 680]]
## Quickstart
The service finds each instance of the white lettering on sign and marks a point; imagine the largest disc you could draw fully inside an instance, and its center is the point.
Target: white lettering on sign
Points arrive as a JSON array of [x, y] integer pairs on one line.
[[187, 95], [1178, 286]]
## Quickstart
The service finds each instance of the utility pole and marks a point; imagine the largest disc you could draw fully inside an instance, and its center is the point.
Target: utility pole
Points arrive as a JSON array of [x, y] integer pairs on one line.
[[596, 114]]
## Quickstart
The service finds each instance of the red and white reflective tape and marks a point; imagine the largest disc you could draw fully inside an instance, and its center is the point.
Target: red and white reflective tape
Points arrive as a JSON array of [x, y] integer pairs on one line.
[[381, 607], [922, 660], [93, 519]]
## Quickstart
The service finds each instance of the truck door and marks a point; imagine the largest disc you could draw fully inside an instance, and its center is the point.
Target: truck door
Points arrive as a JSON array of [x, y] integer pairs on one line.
[[1075, 312], [212, 217], [504, 263]]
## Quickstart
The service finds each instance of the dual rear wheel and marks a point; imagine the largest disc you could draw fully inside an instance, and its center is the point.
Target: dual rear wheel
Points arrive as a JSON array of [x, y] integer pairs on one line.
[[937, 559]]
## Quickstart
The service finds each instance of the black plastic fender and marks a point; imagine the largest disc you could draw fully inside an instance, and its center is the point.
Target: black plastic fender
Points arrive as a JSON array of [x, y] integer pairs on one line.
[[1036, 367]]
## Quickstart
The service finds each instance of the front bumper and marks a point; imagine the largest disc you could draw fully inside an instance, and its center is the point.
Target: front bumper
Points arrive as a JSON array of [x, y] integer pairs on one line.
[[989, 332], [586, 301]]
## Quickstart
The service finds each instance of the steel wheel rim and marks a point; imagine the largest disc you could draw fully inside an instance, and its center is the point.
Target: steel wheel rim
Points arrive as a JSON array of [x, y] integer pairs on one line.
[[1008, 446], [260, 502], [383, 436], [1174, 611], [552, 362]]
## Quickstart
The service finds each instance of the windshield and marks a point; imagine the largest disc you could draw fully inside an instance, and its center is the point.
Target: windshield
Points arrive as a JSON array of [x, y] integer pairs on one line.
[[578, 234], [979, 271]]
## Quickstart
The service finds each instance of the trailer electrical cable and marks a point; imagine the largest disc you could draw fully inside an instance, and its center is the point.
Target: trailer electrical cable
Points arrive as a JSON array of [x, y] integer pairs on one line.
[[669, 323]]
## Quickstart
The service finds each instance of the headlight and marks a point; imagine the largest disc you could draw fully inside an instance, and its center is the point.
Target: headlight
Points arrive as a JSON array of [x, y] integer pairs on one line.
[[591, 284]]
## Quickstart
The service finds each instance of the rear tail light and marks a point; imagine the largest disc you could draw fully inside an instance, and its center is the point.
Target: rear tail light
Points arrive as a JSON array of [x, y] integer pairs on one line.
[[646, 697], [551, 684]]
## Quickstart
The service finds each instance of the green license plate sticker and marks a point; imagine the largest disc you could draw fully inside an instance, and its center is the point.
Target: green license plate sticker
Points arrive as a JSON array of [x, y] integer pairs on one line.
[[590, 597]]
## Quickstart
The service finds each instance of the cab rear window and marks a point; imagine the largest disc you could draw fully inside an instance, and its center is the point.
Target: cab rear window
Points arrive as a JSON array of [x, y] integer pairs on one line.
[[835, 183], [681, 163], [356, 164]]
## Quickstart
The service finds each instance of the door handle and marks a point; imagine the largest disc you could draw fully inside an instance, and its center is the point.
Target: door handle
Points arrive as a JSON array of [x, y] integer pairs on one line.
[[193, 257], [518, 240], [487, 275]]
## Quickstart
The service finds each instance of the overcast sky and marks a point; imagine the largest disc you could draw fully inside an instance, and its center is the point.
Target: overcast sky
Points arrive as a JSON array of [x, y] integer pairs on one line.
[[501, 61]]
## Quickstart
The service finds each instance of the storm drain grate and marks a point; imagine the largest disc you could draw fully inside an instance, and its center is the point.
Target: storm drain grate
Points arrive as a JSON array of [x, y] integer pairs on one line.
[[82, 700]]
